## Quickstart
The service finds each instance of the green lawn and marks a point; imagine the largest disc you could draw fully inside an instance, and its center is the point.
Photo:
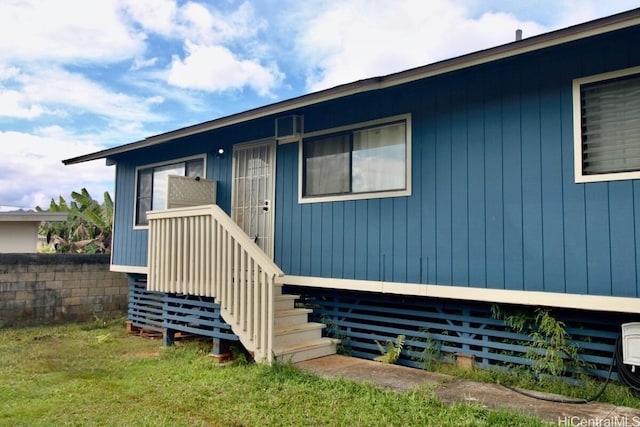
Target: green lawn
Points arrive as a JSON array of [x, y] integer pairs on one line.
[[80, 375]]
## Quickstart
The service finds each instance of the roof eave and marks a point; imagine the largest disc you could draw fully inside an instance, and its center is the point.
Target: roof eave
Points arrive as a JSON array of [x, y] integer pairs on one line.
[[32, 216], [554, 38]]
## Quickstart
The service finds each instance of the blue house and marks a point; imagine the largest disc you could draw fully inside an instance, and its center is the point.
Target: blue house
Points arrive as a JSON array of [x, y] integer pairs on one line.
[[408, 204]]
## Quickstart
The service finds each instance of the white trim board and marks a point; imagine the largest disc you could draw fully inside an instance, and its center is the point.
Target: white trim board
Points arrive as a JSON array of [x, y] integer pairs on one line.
[[129, 269], [549, 299]]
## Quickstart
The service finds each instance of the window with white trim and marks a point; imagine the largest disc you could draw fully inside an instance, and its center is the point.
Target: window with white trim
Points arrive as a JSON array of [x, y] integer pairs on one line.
[[365, 161], [607, 126], [151, 187]]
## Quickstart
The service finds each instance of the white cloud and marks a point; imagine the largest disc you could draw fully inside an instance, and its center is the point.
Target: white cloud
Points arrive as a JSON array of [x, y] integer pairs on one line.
[[140, 63], [8, 73], [64, 30], [14, 104], [56, 87], [157, 16], [36, 174], [194, 22], [216, 69], [565, 13], [348, 41], [220, 51]]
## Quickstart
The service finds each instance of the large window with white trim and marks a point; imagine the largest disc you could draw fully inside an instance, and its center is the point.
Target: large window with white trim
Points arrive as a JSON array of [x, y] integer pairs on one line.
[[151, 184], [607, 126], [364, 161]]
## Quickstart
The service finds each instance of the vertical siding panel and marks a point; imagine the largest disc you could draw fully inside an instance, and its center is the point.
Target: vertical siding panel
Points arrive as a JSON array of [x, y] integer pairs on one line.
[[130, 246], [443, 191], [291, 186], [459, 191], [531, 189], [222, 173], [399, 239], [287, 213], [374, 260], [338, 237], [282, 209], [512, 183], [476, 210], [623, 251], [552, 205], [326, 238], [575, 243], [493, 188], [387, 235], [306, 240], [636, 234], [120, 234], [386, 230], [426, 128], [598, 239], [315, 239], [414, 213], [349, 239], [361, 239]]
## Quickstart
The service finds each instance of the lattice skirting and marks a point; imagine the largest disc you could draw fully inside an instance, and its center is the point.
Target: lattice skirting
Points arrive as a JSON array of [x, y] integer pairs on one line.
[[162, 312], [444, 328]]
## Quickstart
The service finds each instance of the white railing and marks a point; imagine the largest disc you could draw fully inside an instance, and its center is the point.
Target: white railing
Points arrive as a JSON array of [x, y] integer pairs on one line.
[[201, 251]]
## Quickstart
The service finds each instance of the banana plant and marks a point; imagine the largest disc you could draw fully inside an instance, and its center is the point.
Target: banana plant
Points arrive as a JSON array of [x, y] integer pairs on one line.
[[88, 226]]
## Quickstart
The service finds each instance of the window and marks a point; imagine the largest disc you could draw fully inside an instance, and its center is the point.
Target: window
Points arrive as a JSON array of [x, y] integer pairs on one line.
[[607, 126], [151, 191], [364, 161]]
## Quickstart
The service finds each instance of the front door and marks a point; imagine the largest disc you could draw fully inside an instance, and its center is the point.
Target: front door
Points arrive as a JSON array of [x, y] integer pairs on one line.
[[253, 188]]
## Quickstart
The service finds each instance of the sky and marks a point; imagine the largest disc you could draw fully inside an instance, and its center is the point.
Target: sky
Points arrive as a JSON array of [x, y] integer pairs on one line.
[[79, 76]]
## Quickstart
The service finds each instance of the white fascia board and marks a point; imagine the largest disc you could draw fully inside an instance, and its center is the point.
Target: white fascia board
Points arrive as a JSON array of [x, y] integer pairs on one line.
[[533, 298]]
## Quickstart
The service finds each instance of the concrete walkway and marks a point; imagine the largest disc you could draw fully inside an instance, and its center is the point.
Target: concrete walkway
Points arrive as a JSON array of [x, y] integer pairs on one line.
[[455, 390]]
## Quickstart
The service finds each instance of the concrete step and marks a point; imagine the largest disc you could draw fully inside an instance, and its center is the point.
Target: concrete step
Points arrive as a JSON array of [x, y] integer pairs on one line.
[[306, 350], [291, 317], [285, 302], [288, 335]]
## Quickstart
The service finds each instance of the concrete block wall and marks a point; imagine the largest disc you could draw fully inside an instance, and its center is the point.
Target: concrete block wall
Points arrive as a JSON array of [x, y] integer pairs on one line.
[[41, 289]]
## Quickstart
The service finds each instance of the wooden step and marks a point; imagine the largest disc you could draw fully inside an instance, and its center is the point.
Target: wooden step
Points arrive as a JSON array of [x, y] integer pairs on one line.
[[302, 332], [294, 316], [285, 302], [305, 350]]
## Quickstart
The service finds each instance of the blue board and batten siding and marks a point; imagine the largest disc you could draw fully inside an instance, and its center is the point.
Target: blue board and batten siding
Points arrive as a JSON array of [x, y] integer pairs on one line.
[[494, 203], [130, 245]]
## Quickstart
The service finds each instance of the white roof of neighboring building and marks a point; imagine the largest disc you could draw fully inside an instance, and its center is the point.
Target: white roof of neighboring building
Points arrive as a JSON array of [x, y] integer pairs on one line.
[[32, 216]]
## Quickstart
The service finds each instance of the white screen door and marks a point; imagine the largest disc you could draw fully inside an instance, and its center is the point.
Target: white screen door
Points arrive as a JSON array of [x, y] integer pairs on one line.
[[252, 200]]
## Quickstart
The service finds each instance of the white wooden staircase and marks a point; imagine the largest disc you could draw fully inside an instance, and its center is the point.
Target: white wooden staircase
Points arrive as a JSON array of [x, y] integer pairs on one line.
[[295, 338], [199, 250]]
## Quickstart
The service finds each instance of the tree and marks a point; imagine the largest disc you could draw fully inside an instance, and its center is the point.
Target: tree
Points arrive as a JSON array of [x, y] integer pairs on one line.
[[88, 227]]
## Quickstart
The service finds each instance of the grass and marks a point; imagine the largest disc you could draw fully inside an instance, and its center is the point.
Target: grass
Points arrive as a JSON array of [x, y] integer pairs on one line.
[[76, 375], [586, 388]]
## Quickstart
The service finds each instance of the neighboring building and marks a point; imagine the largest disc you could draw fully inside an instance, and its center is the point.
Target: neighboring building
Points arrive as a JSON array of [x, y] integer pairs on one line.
[[19, 230], [409, 202]]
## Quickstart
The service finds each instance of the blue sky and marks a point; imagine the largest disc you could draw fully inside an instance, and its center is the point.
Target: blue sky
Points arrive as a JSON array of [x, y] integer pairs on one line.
[[78, 76]]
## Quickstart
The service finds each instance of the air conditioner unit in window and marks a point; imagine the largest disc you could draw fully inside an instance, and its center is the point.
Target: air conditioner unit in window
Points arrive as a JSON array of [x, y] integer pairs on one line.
[[288, 128], [631, 344]]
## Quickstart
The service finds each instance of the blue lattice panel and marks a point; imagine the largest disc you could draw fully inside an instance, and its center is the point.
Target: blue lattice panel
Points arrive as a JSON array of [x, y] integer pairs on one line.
[[195, 314], [160, 312], [448, 327], [145, 308]]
